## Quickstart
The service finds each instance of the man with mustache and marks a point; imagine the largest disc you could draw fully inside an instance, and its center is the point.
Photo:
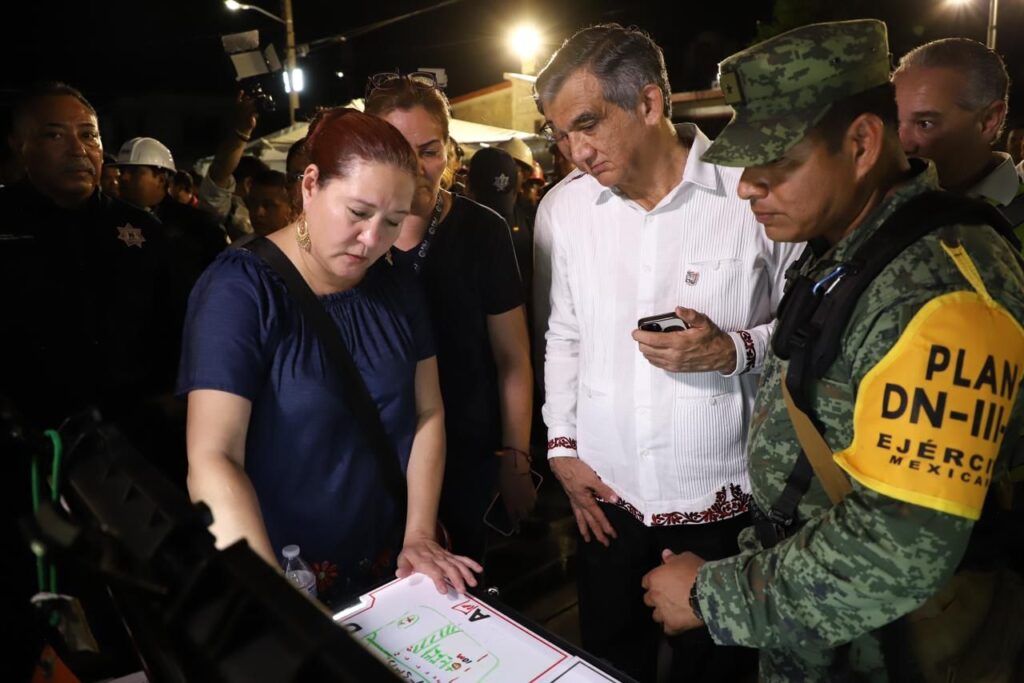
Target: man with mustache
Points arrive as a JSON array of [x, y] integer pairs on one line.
[[82, 284]]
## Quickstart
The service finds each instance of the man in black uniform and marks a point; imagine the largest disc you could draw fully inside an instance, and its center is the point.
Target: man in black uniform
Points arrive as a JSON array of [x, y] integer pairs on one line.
[[193, 237], [83, 291]]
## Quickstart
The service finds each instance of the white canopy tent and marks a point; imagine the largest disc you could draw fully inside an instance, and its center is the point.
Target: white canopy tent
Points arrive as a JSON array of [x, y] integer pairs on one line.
[[273, 148]]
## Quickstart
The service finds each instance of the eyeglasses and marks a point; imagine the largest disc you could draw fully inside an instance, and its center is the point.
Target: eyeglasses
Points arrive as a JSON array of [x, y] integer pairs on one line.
[[392, 79], [547, 131]]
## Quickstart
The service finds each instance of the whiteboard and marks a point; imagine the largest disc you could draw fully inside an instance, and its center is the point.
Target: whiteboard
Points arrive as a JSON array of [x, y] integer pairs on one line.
[[427, 637]]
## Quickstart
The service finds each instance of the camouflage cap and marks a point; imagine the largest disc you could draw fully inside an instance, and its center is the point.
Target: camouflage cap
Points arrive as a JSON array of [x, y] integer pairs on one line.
[[780, 88]]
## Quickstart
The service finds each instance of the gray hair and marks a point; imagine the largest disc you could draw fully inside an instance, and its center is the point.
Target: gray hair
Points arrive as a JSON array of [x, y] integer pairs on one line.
[[623, 60], [985, 72]]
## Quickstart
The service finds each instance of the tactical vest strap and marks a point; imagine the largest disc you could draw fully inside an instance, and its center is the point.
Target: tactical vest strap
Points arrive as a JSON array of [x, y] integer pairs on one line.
[[1014, 211], [913, 220]]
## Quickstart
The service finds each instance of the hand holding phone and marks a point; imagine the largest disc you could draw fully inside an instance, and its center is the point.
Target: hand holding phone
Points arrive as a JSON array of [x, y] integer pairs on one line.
[[664, 322]]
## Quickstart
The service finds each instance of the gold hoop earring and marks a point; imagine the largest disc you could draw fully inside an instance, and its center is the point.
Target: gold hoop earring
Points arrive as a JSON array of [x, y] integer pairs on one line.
[[302, 235]]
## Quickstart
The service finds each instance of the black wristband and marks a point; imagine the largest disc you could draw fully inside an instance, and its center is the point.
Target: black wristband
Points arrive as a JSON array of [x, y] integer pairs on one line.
[[694, 602]]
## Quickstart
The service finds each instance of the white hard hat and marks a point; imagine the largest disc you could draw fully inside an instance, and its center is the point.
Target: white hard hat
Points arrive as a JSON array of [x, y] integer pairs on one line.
[[145, 152], [519, 150]]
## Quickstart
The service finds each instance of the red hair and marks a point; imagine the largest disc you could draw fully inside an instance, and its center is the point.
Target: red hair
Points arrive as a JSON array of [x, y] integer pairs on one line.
[[340, 137]]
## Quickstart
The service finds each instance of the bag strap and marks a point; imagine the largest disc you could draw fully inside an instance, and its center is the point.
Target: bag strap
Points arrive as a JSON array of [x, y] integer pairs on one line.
[[362, 404], [817, 451], [909, 223]]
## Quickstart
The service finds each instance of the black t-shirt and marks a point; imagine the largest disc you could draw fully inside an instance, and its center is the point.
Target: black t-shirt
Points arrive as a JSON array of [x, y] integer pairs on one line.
[[522, 240], [469, 273]]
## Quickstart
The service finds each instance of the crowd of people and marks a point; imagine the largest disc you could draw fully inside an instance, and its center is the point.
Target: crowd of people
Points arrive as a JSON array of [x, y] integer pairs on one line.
[[809, 478]]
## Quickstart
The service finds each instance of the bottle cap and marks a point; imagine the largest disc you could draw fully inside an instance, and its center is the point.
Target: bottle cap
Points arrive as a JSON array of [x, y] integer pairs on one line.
[[290, 552]]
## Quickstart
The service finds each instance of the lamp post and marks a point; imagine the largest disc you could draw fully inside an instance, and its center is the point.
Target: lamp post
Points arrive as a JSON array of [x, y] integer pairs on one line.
[[289, 60], [990, 35], [993, 19], [293, 80]]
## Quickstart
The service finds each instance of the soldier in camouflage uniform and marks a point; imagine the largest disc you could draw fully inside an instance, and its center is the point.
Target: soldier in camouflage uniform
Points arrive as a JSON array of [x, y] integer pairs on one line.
[[924, 386]]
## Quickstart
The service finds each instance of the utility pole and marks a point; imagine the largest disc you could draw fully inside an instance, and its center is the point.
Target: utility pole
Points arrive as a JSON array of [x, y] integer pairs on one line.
[[289, 57], [993, 12]]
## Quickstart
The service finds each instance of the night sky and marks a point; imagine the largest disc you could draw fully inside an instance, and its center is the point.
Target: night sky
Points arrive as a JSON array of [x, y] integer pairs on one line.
[[117, 49]]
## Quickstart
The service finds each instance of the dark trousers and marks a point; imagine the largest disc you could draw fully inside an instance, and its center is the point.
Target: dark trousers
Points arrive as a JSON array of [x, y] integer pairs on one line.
[[616, 625]]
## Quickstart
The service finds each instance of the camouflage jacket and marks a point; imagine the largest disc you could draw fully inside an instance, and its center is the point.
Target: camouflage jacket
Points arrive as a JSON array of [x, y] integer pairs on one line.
[[901, 533]]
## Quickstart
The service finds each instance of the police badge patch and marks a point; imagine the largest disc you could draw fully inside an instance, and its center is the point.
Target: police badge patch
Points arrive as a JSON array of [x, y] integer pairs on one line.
[[130, 235], [691, 277]]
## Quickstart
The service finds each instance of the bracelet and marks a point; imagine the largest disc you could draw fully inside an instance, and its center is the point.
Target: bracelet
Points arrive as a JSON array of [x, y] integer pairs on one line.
[[242, 136], [508, 450], [695, 601]]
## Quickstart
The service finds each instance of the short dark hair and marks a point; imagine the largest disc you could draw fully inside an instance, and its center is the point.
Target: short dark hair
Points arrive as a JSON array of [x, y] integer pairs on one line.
[[879, 100], [183, 179], [460, 153], [248, 166], [296, 148], [624, 60], [27, 98], [270, 178]]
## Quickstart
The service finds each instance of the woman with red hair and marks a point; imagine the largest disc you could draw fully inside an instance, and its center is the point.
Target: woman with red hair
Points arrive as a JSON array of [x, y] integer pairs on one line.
[[274, 448]]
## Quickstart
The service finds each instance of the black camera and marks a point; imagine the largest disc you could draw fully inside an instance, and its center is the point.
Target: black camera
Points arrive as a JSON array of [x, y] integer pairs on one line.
[[253, 66], [263, 99]]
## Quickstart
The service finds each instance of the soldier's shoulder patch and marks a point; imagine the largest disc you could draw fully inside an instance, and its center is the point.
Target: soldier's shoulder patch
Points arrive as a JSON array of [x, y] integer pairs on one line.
[[931, 416]]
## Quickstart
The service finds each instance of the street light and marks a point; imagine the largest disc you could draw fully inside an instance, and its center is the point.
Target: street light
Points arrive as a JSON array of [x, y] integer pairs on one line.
[[293, 80], [993, 12], [524, 40]]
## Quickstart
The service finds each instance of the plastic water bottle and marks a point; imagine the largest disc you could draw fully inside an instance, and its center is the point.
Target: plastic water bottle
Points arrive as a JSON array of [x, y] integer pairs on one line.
[[297, 571]]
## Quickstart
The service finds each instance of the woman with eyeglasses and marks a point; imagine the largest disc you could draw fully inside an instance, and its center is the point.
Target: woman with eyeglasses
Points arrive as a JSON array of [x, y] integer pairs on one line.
[[462, 254], [274, 447]]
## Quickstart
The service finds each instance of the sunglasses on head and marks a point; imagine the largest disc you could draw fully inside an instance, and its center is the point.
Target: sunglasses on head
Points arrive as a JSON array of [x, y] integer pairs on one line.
[[393, 79]]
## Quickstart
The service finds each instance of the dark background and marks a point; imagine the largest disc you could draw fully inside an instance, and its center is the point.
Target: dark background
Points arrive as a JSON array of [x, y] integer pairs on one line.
[[157, 68]]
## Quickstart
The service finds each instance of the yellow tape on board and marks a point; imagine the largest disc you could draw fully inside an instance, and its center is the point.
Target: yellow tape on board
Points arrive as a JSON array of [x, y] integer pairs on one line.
[[931, 416]]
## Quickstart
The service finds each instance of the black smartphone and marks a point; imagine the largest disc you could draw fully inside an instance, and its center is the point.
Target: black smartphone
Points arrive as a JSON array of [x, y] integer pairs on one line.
[[666, 322], [497, 517]]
